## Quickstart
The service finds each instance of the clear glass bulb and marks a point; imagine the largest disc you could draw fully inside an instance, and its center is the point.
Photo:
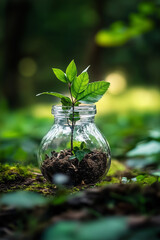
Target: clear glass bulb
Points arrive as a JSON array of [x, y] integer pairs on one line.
[[90, 157]]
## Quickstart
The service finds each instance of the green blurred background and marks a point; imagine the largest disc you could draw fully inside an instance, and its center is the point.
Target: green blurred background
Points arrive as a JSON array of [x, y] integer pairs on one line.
[[121, 42]]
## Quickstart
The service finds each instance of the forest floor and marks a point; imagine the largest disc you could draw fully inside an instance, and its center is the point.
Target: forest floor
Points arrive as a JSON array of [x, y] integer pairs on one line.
[[44, 211]]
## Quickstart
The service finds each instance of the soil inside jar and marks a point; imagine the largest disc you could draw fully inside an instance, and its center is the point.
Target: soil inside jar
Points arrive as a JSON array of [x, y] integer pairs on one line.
[[87, 171]]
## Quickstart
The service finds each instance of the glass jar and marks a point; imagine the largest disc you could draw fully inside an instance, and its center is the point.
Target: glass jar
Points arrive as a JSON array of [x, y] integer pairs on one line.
[[74, 146]]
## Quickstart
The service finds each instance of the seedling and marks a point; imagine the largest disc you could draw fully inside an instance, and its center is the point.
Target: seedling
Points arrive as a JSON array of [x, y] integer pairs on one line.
[[81, 91], [80, 152]]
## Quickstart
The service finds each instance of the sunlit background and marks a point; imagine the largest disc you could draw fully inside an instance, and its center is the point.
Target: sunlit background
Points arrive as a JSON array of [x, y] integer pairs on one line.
[[121, 42]]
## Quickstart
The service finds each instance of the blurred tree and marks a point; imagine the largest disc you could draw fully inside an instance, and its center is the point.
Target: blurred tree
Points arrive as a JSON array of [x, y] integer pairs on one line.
[[120, 33], [132, 40], [16, 13], [95, 50], [51, 33]]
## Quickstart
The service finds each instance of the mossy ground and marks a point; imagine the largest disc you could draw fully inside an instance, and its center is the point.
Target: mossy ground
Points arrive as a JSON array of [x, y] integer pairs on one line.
[[23, 178], [30, 179], [134, 197]]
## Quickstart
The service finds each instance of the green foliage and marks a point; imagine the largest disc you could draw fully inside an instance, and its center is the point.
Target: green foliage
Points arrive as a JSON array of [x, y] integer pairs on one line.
[[60, 74], [71, 71], [127, 131], [144, 153], [80, 91], [65, 100], [116, 166], [23, 199], [119, 33], [146, 179], [101, 229], [78, 86], [20, 150], [22, 130], [147, 8], [93, 92], [80, 152], [145, 149], [11, 174], [83, 145], [156, 173]]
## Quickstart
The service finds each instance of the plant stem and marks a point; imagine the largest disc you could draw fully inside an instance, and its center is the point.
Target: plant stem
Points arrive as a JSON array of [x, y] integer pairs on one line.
[[73, 124], [72, 128], [69, 85]]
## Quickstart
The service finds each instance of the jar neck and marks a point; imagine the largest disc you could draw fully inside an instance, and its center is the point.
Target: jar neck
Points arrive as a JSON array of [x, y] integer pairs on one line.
[[80, 114], [68, 121]]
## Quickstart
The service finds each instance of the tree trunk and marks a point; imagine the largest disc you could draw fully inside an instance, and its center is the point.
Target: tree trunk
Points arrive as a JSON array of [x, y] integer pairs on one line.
[[95, 52], [15, 18]]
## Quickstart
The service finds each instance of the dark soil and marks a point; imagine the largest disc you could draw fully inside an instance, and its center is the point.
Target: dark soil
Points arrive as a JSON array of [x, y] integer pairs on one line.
[[89, 170]]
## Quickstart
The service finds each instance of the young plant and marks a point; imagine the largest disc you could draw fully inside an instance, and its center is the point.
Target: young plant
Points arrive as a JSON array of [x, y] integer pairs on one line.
[[80, 152], [81, 91]]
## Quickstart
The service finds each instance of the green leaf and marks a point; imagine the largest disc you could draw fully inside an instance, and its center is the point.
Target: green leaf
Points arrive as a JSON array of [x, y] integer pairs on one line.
[[66, 101], [156, 173], [110, 228], [60, 75], [71, 71], [80, 84], [59, 95], [77, 103], [74, 94], [86, 150], [145, 149], [83, 145], [75, 149], [23, 199], [93, 92], [80, 154], [140, 162]]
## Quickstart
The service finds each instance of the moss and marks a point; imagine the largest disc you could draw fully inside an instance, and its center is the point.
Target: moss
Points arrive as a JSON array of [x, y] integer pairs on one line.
[[11, 174], [119, 172], [116, 166], [34, 188], [41, 187], [104, 183], [17, 177], [75, 189], [146, 179]]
